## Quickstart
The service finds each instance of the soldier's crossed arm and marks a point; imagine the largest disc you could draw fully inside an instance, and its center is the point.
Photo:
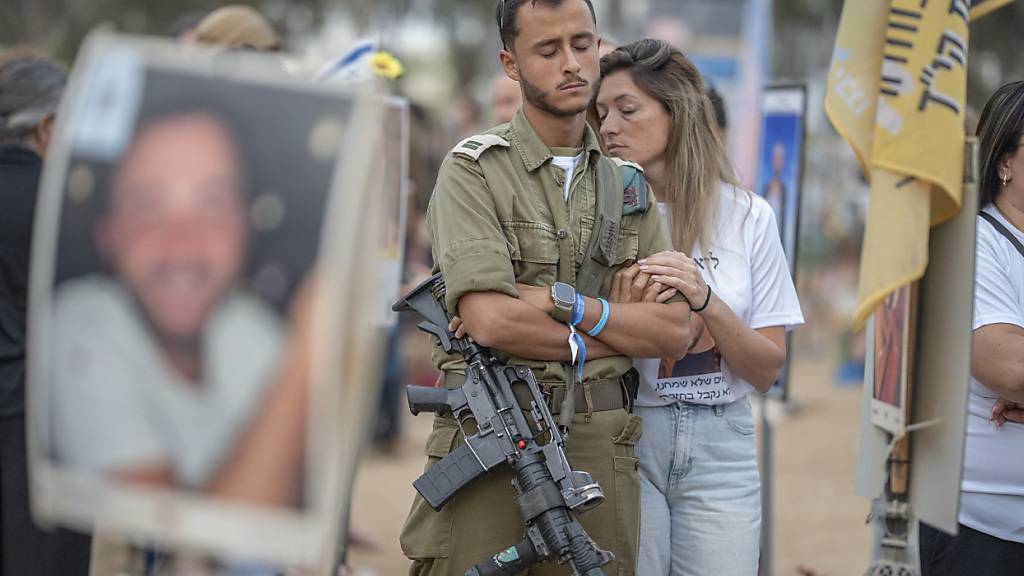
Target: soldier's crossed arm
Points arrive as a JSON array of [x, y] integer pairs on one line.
[[473, 256], [646, 329]]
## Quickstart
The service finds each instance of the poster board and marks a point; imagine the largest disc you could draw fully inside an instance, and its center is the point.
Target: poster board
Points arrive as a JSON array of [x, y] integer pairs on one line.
[[939, 379], [196, 268], [780, 176], [893, 359]]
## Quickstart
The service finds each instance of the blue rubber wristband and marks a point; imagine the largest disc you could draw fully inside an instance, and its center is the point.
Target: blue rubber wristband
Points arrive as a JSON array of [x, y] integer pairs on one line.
[[577, 310], [593, 332]]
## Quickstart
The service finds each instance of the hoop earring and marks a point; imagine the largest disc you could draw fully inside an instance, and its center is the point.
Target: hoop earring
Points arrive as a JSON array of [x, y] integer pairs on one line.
[[1005, 178]]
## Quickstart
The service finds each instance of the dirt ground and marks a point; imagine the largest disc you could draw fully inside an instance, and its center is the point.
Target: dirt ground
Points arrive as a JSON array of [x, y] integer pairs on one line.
[[819, 524]]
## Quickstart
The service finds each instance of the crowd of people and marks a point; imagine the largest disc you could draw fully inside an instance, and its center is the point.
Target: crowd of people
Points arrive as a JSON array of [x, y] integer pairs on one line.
[[680, 294]]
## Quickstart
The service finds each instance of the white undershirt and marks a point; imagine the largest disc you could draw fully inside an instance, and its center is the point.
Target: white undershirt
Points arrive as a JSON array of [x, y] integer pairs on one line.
[[568, 165], [747, 268]]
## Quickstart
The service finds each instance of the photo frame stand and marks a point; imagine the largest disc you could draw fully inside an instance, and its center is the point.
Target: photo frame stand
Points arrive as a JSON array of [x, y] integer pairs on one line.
[[895, 556], [921, 478]]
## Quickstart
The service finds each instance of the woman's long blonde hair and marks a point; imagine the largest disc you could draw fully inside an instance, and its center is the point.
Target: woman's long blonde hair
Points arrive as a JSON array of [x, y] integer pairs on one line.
[[695, 156]]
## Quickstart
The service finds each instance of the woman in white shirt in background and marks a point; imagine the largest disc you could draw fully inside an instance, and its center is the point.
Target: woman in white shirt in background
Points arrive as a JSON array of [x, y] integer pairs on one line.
[[990, 539], [700, 486]]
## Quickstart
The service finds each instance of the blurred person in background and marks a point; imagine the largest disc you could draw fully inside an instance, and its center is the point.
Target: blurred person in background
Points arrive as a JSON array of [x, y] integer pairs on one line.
[[990, 539], [607, 46], [183, 29], [466, 116], [774, 191], [514, 186], [718, 105], [506, 98], [30, 88], [700, 486], [239, 27]]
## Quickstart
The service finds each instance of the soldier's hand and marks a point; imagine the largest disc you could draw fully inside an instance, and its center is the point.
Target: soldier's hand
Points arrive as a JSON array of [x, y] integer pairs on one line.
[[1006, 411], [457, 327], [628, 284], [658, 292]]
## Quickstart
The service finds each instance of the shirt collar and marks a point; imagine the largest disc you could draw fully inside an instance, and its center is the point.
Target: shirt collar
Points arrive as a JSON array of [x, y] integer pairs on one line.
[[534, 152]]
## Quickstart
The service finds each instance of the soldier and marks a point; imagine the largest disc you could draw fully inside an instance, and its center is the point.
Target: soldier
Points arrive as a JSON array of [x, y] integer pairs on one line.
[[529, 222]]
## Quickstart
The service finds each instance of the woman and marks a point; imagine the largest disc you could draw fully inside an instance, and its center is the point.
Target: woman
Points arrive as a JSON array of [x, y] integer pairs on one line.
[[700, 488], [991, 535]]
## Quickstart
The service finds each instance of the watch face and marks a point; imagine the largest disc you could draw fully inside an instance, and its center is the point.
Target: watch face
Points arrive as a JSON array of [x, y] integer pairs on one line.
[[562, 292]]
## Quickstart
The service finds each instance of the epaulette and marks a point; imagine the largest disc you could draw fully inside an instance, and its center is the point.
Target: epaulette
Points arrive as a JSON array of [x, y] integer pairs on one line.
[[620, 163], [634, 187], [474, 146]]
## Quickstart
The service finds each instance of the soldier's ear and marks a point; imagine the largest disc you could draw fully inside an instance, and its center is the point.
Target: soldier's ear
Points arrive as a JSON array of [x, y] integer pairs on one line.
[[509, 65]]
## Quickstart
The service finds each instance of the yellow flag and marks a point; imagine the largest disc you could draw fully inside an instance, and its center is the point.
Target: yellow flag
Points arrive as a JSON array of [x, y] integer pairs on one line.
[[897, 93], [851, 98]]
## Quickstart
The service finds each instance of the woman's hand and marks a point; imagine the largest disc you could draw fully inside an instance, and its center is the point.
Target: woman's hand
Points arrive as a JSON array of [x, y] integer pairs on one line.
[[677, 270], [1005, 410]]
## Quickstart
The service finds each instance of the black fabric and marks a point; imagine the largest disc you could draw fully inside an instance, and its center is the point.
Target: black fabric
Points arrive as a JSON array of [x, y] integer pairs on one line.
[[1002, 230], [19, 178], [26, 550], [969, 553]]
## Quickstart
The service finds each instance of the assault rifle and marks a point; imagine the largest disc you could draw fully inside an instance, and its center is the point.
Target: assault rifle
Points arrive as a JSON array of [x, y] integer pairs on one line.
[[546, 487]]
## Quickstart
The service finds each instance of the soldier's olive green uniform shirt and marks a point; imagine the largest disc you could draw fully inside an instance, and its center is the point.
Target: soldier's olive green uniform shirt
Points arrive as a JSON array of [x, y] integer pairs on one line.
[[498, 216]]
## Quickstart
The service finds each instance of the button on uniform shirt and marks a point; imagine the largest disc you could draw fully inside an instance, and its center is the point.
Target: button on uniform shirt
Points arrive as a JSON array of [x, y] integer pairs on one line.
[[503, 218]]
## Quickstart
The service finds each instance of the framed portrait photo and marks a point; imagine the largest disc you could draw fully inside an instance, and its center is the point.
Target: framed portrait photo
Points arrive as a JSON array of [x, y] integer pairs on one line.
[[200, 318]]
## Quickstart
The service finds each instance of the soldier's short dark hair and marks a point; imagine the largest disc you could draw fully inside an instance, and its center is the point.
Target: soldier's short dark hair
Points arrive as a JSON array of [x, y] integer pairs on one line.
[[507, 11]]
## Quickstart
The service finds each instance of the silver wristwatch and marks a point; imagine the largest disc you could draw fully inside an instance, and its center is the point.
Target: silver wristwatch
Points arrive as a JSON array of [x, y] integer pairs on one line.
[[564, 297]]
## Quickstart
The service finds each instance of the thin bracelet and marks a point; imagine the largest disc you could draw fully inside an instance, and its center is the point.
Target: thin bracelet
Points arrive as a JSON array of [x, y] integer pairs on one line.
[[593, 332], [706, 301]]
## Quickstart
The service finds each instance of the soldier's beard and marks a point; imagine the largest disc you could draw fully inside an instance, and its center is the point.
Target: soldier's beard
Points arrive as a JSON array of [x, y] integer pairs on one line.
[[539, 99]]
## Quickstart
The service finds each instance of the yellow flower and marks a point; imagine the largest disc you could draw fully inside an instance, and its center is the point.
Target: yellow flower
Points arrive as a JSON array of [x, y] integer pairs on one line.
[[386, 65]]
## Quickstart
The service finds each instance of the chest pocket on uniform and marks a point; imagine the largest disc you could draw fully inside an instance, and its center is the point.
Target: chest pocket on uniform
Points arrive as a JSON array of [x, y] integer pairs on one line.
[[627, 248], [533, 248]]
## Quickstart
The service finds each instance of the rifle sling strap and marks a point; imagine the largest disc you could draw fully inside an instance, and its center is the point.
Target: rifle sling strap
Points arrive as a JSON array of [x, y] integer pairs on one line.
[[604, 238]]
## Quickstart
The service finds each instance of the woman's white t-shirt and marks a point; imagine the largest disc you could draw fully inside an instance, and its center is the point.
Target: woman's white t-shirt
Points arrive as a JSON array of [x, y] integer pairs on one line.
[[992, 491], [747, 269]]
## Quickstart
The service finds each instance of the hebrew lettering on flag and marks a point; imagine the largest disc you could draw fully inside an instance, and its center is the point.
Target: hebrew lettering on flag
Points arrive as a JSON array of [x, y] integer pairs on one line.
[[897, 93]]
